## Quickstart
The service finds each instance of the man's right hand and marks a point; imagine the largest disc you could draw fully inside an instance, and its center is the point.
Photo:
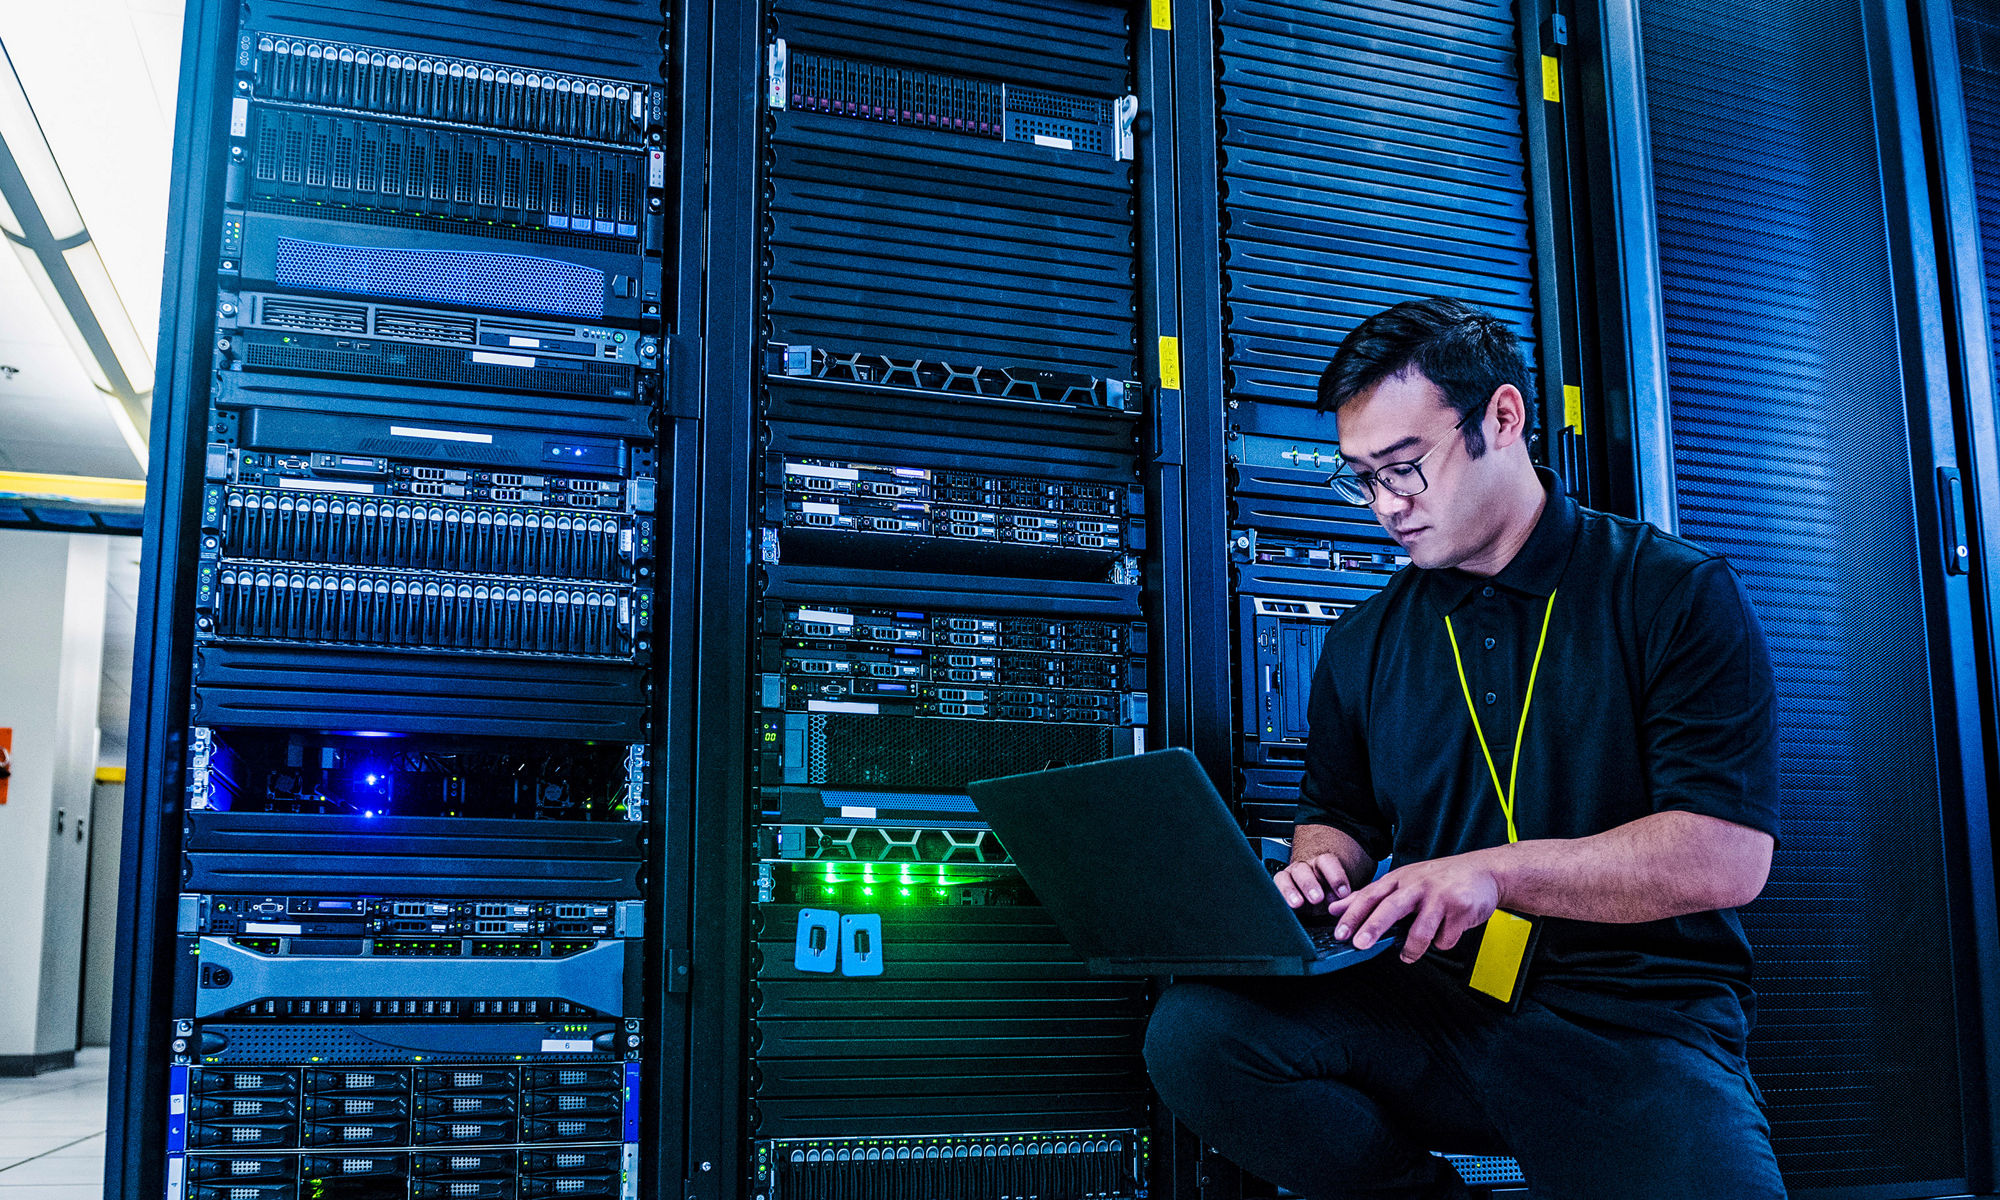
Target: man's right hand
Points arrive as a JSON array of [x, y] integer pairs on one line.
[[1311, 882]]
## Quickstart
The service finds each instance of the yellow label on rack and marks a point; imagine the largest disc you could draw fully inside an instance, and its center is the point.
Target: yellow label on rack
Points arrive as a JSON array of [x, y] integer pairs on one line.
[[1170, 363], [1552, 88], [1163, 14], [1573, 407]]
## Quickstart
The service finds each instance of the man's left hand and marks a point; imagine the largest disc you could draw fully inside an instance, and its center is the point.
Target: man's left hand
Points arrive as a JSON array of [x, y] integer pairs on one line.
[[1447, 895]]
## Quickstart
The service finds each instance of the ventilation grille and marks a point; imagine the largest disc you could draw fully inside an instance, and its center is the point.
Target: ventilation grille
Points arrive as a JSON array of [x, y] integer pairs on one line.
[[315, 316], [508, 282], [1371, 153], [1783, 356]]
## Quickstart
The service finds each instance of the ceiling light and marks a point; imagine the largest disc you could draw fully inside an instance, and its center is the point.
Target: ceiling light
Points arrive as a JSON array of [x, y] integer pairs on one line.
[[32, 157], [101, 294], [40, 219], [128, 428], [52, 299]]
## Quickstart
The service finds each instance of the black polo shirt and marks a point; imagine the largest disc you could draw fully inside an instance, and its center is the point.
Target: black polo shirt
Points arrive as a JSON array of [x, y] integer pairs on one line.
[[1655, 693]]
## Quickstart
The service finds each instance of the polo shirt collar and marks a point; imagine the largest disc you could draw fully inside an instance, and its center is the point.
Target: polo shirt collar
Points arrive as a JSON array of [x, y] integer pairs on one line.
[[1535, 569]]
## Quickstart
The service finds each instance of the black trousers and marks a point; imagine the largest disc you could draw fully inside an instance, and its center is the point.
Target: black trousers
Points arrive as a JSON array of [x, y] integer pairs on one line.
[[1342, 1085]]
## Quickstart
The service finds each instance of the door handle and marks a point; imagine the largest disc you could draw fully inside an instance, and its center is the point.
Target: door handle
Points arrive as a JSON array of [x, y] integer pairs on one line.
[[1951, 504]]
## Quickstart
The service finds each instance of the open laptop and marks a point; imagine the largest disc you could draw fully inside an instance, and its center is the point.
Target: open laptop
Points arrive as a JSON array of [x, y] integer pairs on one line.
[[1146, 873]]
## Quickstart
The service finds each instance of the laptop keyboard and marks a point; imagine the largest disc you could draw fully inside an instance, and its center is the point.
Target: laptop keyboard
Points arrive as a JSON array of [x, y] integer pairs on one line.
[[1323, 939]]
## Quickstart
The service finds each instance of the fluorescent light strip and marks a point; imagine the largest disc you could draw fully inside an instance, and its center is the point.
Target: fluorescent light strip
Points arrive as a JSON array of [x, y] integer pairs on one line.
[[53, 301], [24, 138]]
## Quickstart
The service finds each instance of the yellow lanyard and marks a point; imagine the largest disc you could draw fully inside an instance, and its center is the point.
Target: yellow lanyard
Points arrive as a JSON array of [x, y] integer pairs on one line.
[[1506, 793]]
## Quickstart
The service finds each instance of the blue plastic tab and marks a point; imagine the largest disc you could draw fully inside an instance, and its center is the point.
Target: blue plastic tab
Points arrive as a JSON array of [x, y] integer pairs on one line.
[[177, 1109], [818, 947], [631, 1102], [861, 944]]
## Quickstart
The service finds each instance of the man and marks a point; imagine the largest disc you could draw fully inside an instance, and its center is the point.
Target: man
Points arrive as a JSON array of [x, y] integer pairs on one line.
[[1553, 713]]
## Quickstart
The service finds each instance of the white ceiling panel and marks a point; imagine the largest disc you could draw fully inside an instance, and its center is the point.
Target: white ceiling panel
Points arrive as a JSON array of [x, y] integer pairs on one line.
[[51, 419], [101, 75]]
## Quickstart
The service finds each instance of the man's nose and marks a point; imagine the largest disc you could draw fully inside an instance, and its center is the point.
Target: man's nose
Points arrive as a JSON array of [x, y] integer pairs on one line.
[[1387, 503]]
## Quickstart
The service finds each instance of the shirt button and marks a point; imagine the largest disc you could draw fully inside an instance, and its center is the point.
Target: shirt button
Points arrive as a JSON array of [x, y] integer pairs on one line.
[[1489, 643], [1490, 698], [1486, 592]]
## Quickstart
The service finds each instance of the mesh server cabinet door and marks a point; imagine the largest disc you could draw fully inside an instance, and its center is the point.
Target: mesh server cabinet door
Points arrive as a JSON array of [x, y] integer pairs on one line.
[[1364, 155], [1368, 155], [1773, 151]]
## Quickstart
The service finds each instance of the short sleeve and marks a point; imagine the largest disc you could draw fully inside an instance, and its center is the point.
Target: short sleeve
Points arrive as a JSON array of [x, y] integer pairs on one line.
[[1337, 789], [1709, 723]]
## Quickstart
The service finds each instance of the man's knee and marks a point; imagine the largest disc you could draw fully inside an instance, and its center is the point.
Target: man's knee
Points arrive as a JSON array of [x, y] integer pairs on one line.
[[1177, 1032], [1186, 1043]]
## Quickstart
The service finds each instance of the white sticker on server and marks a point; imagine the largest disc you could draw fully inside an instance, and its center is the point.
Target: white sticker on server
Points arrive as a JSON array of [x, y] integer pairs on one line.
[[326, 485], [443, 435], [826, 618], [491, 359], [566, 1046], [792, 468]]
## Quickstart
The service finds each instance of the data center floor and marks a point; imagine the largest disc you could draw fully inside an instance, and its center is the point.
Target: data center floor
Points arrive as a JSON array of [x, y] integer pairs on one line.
[[52, 1132]]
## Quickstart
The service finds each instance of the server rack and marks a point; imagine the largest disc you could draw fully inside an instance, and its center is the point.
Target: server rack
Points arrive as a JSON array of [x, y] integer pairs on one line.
[[954, 473], [402, 877]]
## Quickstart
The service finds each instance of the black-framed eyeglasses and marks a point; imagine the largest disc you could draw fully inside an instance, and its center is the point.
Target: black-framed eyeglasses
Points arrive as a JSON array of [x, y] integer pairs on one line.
[[1399, 478]]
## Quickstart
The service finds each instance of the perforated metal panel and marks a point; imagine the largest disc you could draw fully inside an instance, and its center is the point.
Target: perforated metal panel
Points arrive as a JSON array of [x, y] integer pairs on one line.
[[1371, 153], [508, 282], [1979, 67], [1784, 372]]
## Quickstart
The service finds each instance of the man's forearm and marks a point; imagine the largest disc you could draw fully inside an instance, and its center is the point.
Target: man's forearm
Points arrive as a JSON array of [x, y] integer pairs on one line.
[[1665, 865]]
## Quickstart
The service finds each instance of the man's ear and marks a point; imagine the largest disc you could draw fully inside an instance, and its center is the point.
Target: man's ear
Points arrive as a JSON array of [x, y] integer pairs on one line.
[[1510, 416]]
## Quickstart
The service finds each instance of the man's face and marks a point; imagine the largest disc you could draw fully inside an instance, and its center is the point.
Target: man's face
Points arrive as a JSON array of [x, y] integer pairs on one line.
[[1405, 418]]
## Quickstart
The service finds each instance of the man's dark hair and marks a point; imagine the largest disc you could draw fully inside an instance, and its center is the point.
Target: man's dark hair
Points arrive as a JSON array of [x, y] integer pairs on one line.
[[1467, 352]]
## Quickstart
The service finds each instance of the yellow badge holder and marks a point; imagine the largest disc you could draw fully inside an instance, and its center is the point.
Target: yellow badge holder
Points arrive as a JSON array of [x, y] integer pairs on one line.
[[1507, 941]]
